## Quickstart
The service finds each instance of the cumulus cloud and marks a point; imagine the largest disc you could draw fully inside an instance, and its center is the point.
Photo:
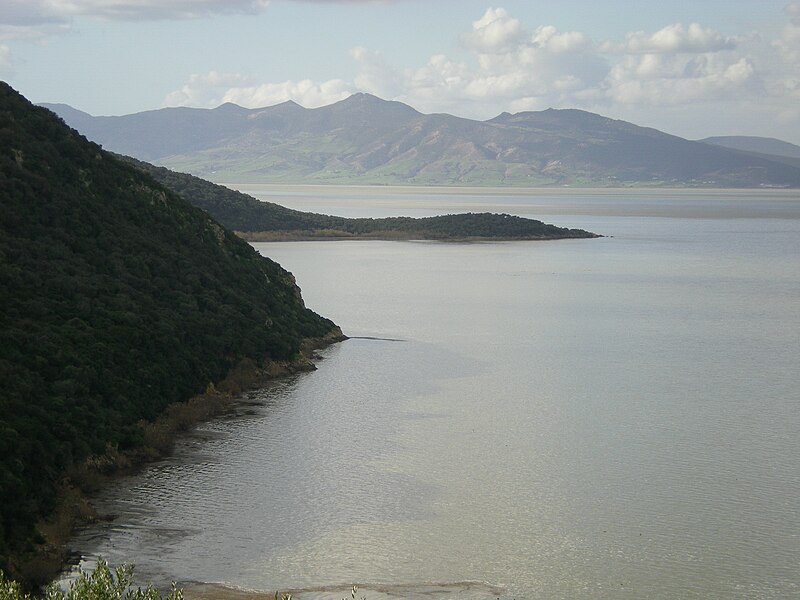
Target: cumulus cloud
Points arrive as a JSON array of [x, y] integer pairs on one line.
[[549, 38], [206, 90], [656, 81], [673, 39], [513, 66], [517, 67], [494, 31], [306, 92], [211, 89]]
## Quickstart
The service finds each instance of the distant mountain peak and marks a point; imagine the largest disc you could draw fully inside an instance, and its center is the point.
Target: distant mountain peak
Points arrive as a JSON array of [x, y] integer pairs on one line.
[[287, 105], [366, 96], [367, 100], [230, 107]]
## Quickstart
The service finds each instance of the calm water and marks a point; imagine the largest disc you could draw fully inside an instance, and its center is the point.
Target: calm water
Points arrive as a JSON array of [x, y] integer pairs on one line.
[[610, 418]]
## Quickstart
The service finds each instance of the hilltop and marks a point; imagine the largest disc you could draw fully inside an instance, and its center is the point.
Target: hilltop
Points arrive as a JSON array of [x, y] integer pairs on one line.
[[366, 140], [118, 299]]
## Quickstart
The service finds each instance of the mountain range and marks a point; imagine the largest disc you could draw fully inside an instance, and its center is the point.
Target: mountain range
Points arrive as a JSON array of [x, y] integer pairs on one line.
[[366, 140]]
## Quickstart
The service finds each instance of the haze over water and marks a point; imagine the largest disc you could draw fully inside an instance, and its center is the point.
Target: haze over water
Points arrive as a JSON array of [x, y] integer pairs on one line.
[[609, 418]]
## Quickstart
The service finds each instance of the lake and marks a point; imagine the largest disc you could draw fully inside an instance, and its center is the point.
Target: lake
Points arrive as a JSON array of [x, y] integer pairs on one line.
[[602, 418]]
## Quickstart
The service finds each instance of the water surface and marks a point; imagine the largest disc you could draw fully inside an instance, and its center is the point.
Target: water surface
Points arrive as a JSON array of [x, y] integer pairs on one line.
[[609, 418]]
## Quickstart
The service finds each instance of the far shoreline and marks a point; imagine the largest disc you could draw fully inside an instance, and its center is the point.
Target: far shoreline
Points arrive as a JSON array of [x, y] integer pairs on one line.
[[385, 189], [304, 236], [559, 205]]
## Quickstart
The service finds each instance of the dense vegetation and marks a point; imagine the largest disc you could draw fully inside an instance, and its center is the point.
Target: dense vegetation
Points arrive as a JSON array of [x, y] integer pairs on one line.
[[117, 298], [246, 214], [100, 584]]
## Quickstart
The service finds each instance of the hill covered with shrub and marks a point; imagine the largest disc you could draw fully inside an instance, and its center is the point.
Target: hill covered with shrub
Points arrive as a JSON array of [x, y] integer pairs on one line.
[[259, 220], [117, 298]]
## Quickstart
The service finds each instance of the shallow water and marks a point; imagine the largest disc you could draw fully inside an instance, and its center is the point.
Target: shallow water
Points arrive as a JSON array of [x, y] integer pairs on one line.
[[610, 418]]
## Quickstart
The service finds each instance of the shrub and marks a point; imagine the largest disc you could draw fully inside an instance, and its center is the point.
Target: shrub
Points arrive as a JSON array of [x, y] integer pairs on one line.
[[100, 584]]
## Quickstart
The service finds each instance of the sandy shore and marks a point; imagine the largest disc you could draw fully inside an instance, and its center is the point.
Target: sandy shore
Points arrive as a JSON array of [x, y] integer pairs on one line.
[[465, 590]]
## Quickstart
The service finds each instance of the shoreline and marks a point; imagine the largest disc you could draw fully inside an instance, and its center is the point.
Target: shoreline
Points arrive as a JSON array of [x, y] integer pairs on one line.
[[381, 189], [81, 482], [469, 590], [337, 236]]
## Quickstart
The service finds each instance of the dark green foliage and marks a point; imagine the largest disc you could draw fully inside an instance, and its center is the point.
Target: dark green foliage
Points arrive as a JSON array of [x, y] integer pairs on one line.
[[116, 298], [244, 213], [100, 584]]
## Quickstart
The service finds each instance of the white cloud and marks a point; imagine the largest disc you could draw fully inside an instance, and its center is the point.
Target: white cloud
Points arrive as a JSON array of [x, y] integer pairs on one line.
[[673, 39], [494, 31], [655, 81], [307, 93], [547, 37], [211, 89], [513, 66], [206, 90]]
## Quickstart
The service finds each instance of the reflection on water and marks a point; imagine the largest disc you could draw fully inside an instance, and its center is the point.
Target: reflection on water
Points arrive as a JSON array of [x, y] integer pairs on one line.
[[611, 418]]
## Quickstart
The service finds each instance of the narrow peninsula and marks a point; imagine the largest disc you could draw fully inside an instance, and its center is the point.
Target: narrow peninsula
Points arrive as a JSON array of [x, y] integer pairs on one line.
[[259, 221]]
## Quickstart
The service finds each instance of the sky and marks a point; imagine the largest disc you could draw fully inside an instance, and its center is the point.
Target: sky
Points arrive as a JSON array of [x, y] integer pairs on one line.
[[693, 68]]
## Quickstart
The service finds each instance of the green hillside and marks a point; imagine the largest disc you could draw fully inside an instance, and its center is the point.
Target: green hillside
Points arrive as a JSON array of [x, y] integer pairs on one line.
[[117, 298]]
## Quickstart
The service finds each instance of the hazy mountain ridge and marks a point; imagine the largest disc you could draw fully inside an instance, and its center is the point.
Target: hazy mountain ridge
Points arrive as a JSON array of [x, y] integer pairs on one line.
[[751, 143], [760, 147], [364, 139]]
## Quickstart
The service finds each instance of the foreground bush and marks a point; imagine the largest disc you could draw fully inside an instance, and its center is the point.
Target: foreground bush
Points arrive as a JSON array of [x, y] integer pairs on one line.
[[101, 584]]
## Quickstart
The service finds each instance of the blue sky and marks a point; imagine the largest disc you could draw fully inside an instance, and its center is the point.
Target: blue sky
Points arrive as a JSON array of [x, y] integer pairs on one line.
[[695, 69]]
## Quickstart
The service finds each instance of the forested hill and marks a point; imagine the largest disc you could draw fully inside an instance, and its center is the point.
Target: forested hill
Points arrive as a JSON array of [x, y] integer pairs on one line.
[[266, 220], [116, 298]]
